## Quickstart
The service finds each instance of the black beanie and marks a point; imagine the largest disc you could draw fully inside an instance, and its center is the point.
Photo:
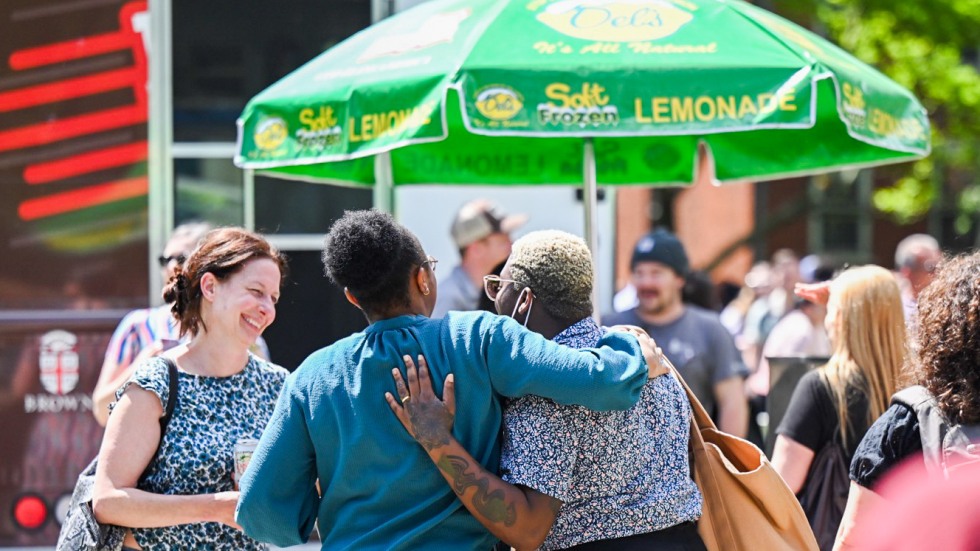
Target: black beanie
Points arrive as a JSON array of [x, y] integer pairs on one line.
[[661, 246]]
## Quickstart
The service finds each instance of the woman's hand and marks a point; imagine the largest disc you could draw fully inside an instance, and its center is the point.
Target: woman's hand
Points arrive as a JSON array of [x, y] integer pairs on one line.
[[225, 503], [817, 293], [656, 366], [427, 418]]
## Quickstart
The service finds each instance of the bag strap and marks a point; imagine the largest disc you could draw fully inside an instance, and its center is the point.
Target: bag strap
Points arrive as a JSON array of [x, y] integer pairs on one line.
[[699, 416], [722, 530], [168, 412], [933, 425], [171, 398]]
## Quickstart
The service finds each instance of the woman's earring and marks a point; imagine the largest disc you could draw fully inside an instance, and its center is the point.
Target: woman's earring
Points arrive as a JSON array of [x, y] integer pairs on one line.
[[425, 290]]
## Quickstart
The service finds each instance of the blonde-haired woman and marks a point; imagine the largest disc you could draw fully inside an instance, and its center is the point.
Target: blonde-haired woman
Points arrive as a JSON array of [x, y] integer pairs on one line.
[[832, 407]]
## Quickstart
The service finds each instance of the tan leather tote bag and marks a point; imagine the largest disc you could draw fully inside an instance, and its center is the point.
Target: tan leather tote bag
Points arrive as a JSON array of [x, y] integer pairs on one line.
[[747, 505]]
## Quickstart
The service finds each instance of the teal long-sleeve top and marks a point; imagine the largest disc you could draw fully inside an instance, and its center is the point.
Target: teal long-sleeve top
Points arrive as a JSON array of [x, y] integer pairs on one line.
[[380, 489]]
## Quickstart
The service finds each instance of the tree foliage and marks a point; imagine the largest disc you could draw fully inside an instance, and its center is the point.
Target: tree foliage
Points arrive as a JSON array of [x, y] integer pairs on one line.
[[931, 48]]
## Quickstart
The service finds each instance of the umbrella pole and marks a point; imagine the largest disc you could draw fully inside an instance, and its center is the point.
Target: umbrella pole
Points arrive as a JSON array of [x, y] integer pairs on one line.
[[384, 183], [590, 199]]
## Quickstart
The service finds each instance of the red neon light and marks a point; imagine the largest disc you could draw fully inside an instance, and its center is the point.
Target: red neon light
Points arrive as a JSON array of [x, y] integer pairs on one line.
[[126, 14], [67, 89], [91, 196], [84, 163], [30, 512], [53, 131], [59, 52], [49, 132]]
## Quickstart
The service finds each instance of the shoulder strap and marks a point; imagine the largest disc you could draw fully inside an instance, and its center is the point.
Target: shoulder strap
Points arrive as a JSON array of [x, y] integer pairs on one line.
[[912, 396], [167, 413], [699, 416], [171, 397], [932, 425]]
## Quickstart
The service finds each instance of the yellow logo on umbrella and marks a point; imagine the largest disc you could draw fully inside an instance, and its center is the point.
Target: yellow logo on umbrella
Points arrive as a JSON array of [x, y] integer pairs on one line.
[[614, 20], [499, 103], [270, 133]]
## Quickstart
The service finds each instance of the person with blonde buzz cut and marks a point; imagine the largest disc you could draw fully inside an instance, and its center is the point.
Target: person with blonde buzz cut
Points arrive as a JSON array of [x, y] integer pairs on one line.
[[377, 487], [569, 477]]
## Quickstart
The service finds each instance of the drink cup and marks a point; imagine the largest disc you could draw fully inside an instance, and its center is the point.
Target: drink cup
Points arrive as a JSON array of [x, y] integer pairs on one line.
[[242, 455]]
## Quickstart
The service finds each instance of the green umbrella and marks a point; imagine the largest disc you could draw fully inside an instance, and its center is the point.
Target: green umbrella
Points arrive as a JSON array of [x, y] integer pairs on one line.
[[611, 92]]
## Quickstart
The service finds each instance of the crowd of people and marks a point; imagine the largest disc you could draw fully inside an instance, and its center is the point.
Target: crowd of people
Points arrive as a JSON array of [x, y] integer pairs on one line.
[[444, 425]]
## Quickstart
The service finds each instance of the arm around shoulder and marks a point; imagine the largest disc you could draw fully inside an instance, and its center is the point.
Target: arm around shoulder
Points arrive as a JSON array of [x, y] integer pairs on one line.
[[519, 515], [607, 377]]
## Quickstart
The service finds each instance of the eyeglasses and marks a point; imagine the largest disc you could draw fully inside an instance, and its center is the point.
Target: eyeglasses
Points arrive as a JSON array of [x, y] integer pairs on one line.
[[431, 262], [493, 284], [166, 260]]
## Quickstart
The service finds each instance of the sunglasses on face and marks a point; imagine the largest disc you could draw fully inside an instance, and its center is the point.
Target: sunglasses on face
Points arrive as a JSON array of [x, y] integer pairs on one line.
[[493, 284], [166, 260]]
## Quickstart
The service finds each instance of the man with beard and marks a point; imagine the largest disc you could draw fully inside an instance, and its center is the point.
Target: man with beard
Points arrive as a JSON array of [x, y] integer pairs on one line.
[[692, 338]]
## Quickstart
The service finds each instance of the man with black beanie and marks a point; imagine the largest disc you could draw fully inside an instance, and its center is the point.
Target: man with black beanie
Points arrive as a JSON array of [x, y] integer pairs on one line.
[[691, 337]]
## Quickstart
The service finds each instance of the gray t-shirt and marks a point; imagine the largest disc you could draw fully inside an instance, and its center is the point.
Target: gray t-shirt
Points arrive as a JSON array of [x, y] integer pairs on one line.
[[456, 292], [697, 344]]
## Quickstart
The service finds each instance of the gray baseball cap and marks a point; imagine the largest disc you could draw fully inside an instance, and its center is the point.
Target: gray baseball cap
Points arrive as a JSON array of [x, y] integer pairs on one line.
[[481, 218]]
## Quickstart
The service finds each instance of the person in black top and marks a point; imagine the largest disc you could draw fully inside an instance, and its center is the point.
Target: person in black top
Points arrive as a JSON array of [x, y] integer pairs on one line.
[[838, 402], [943, 359]]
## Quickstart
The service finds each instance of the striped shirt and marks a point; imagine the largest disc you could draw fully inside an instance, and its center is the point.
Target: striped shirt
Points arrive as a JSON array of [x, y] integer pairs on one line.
[[141, 328]]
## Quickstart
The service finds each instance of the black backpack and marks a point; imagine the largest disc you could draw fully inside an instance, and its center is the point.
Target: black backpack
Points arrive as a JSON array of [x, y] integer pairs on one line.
[[945, 446], [825, 495]]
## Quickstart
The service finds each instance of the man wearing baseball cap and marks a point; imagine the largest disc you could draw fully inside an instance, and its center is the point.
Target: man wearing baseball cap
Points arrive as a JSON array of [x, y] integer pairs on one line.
[[692, 338], [481, 232]]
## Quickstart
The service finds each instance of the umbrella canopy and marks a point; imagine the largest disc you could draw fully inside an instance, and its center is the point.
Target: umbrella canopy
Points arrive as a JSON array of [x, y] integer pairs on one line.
[[503, 92]]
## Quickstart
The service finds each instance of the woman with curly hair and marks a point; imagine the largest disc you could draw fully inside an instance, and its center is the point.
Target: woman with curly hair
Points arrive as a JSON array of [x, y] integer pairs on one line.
[[943, 359]]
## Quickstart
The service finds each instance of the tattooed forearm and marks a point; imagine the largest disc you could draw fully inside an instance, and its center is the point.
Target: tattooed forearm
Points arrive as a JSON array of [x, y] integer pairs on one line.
[[491, 505]]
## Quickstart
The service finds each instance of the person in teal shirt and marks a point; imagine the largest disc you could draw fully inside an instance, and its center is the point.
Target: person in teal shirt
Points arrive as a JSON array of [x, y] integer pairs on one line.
[[331, 424]]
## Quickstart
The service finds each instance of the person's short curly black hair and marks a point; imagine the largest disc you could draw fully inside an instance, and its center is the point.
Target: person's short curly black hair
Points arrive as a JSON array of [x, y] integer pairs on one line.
[[373, 256], [946, 343]]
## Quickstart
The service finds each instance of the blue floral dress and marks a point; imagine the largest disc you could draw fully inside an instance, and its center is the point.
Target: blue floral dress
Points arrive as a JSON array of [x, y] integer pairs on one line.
[[211, 414]]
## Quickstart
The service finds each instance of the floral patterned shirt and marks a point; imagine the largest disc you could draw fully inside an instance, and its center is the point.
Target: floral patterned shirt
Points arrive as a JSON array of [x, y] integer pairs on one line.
[[618, 473], [211, 414]]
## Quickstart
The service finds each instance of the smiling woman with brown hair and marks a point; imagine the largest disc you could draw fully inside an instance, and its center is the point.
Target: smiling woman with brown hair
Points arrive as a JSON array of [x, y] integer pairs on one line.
[[224, 296]]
